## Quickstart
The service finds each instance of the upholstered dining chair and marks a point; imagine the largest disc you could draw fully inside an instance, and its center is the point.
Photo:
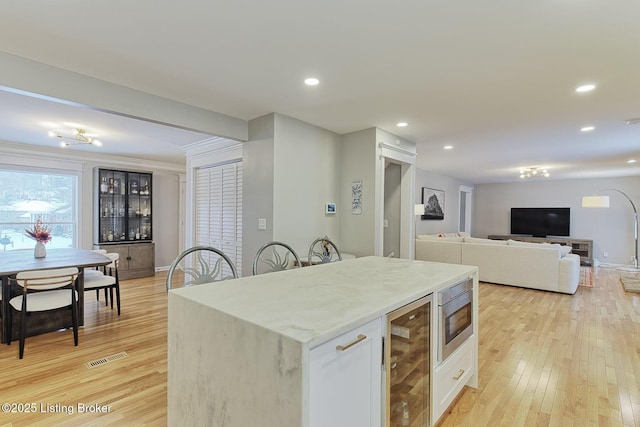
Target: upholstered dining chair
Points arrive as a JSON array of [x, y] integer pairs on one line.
[[199, 265], [97, 271], [106, 279], [275, 256], [322, 251], [44, 290]]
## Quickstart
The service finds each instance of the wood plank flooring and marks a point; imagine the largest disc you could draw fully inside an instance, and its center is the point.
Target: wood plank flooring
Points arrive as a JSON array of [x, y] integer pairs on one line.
[[53, 371], [546, 359], [549, 359]]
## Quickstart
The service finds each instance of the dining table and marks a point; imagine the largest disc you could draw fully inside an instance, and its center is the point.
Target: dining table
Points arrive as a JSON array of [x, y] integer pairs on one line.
[[16, 261]]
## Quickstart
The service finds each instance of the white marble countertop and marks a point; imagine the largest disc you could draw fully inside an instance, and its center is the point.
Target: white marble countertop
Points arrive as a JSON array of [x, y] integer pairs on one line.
[[314, 304]]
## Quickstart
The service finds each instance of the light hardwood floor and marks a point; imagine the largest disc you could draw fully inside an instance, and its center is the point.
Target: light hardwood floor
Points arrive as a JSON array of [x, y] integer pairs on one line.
[[546, 359]]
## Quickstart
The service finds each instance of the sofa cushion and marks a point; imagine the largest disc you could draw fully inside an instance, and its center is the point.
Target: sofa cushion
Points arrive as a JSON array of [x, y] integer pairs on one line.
[[440, 238], [563, 249], [439, 250], [484, 241]]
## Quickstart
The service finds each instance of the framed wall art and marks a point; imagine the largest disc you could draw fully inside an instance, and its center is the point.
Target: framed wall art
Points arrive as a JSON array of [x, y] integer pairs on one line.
[[433, 201], [330, 208], [356, 198]]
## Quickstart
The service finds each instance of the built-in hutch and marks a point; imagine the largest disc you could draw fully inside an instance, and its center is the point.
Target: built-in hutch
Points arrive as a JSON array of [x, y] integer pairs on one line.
[[123, 220]]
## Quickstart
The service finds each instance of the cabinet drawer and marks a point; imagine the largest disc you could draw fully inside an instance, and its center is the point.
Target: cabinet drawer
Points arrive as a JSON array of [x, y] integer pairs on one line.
[[451, 376]]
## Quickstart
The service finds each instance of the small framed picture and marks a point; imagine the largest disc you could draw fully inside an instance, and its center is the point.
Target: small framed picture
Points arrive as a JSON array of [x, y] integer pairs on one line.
[[356, 198], [330, 208], [433, 201]]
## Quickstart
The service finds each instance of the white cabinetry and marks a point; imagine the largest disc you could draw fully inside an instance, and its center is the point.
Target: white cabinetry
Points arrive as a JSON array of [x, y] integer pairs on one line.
[[345, 379], [451, 376]]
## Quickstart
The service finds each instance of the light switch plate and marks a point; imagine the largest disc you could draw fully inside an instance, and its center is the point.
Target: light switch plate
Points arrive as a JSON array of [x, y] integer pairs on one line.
[[386, 223], [262, 224]]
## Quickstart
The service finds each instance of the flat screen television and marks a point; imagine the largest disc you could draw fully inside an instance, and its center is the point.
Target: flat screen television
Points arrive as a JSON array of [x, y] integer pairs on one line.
[[540, 222]]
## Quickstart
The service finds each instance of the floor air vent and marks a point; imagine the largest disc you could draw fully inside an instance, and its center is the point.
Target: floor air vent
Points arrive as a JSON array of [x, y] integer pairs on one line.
[[107, 359]]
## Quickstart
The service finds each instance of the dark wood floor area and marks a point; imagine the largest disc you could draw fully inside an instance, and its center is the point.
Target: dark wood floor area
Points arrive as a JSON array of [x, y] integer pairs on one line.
[[546, 359]]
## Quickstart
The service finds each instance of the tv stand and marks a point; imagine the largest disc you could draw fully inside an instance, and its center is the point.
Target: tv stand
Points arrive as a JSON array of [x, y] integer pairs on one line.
[[582, 247]]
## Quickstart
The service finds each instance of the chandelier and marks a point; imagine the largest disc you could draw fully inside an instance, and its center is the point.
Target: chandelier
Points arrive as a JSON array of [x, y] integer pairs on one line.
[[534, 173], [78, 137]]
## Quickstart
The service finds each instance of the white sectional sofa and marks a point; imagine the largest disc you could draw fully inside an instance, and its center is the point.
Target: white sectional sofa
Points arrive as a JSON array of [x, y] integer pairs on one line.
[[544, 266]]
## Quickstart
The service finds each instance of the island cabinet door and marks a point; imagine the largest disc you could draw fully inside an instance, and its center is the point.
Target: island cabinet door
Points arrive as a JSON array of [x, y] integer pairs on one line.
[[345, 379]]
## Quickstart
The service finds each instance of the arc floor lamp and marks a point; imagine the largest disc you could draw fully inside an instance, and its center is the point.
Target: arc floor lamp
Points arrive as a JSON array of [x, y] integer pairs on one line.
[[597, 201]]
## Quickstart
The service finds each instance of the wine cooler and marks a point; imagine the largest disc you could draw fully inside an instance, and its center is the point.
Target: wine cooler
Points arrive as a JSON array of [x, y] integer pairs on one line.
[[408, 365]]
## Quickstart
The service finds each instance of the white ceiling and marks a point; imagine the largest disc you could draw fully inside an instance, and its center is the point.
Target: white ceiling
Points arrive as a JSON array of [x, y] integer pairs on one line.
[[495, 80]]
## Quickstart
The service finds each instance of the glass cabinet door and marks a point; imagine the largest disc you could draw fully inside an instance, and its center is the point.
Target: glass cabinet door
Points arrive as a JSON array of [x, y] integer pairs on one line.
[[408, 366], [112, 206], [139, 206]]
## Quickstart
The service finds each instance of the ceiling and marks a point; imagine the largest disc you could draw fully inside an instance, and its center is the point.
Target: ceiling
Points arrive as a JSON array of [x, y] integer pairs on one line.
[[495, 81]]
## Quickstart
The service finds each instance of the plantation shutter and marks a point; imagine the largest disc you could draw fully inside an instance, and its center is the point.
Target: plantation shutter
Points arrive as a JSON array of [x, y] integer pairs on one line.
[[219, 209]]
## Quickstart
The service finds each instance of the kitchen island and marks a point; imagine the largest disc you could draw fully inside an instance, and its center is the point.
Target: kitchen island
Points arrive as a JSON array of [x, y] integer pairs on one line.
[[241, 352]]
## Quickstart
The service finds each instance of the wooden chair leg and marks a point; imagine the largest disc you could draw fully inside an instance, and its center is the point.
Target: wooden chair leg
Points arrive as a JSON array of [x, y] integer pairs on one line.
[[118, 298], [74, 317], [10, 325], [23, 324]]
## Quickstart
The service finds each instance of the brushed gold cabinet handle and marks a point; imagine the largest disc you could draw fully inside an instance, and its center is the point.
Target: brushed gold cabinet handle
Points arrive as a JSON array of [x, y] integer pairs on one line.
[[460, 373], [352, 343]]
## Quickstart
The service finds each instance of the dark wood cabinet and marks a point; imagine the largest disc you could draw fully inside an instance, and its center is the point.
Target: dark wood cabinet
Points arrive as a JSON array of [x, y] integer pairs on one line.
[[123, 219]]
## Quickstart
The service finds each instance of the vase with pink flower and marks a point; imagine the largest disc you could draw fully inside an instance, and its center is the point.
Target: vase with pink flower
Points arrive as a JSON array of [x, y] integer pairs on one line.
[[41, 234]]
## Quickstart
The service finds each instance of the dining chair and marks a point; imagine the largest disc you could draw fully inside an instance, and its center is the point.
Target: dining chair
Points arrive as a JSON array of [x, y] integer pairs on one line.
[[44, 290], [322, 251], [106, 279], [199, 265], [97, 271], [275, 256]]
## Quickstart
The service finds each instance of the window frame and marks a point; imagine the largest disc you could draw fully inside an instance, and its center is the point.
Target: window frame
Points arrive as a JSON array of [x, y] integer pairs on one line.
[[67, 169]]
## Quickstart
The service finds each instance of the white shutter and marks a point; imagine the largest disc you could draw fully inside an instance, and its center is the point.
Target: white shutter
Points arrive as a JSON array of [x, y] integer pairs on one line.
[[219, 210], [202, 207]]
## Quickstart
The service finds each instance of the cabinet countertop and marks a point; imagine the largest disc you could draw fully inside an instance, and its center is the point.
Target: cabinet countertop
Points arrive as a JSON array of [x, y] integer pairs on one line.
[[314, 304]]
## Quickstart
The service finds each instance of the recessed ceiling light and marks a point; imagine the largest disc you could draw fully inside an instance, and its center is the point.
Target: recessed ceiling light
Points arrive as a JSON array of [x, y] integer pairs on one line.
[[402, 124], [631, 161], [586, 88], [587, 129], [448, 147], [311, 81]]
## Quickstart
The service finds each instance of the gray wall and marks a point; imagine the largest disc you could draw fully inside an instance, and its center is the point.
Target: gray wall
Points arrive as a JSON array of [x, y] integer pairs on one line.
[[358, 163], [610, 229], [291, 169], [451, 187], [306, 176], [257, 190]]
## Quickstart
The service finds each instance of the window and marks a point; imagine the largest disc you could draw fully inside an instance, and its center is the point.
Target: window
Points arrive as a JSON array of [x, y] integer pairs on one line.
[[26, 196]]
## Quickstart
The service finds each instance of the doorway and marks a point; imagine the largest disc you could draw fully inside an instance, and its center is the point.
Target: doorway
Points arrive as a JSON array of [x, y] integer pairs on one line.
[[392, 209], [465, 211]]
